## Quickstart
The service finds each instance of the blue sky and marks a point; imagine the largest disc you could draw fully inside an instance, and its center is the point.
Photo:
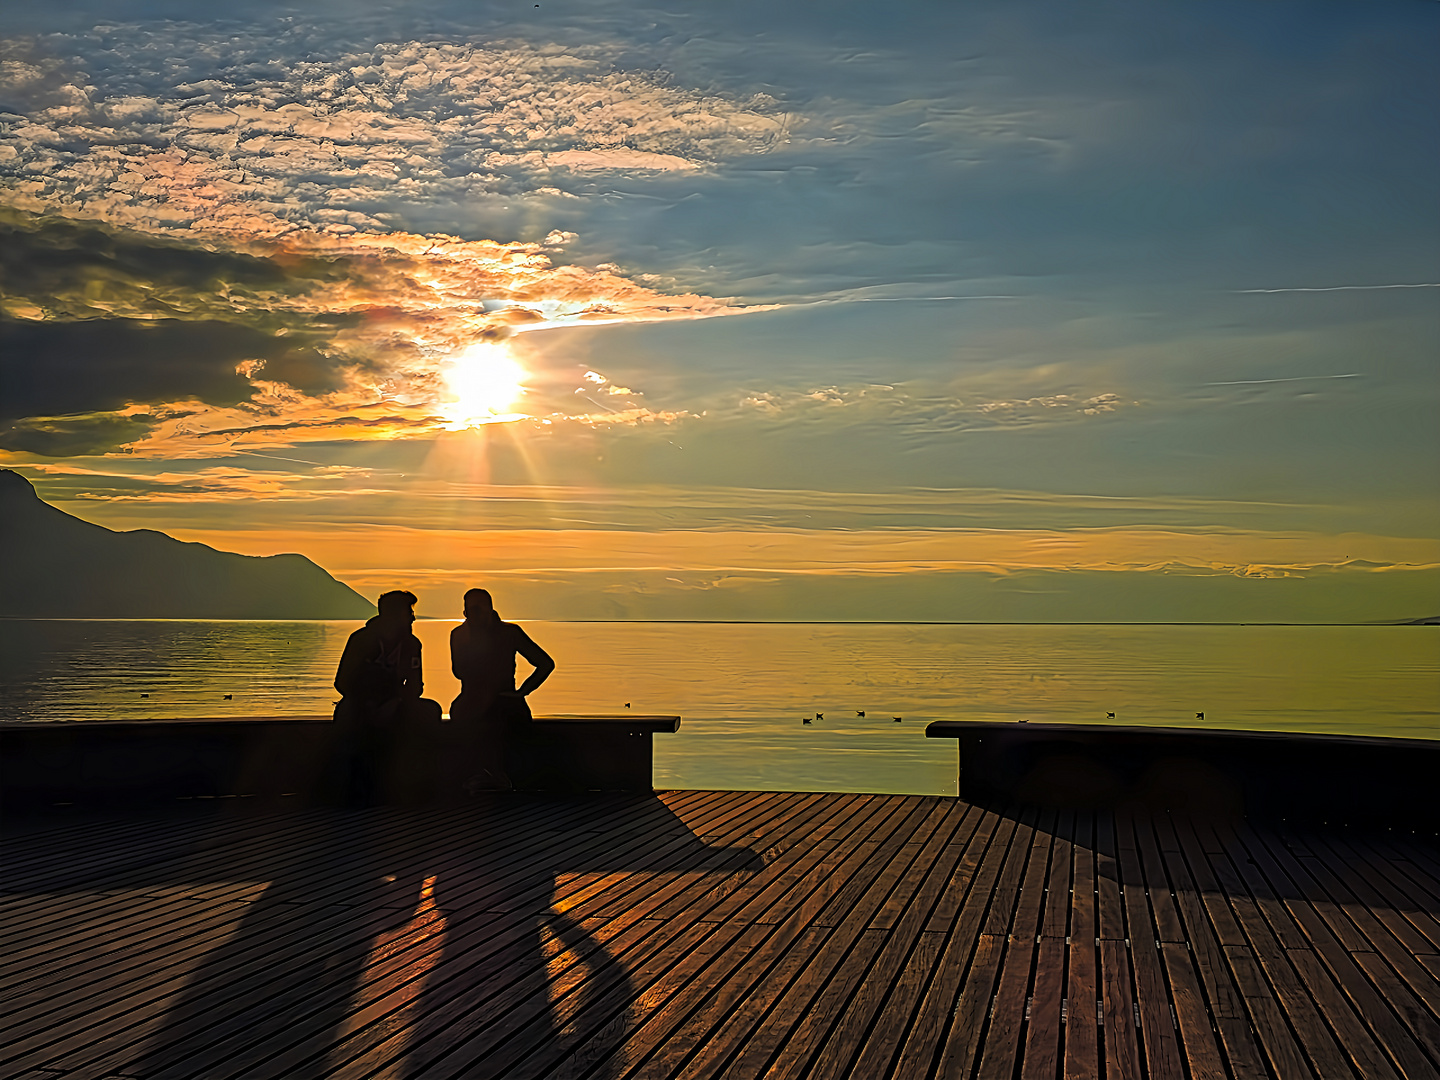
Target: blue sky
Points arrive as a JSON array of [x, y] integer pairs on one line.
[[1125, 308]]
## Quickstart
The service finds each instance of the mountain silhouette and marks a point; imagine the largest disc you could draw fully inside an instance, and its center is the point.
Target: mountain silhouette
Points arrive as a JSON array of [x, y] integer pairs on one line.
[[53, 565]]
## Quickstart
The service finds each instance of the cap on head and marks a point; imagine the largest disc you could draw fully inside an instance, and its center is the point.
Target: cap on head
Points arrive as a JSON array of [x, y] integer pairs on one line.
[[396, 603]]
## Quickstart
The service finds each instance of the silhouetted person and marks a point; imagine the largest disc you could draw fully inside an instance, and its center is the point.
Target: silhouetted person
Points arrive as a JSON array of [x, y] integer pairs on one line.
[[380, 680], [490, 707]]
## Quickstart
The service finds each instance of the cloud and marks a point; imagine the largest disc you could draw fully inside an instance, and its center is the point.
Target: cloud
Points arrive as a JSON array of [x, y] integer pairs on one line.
[[920, 410], [215, 484], [74, 435], [256, 134], [306, 336], [1343, 288], [247, 190], [107, 364]]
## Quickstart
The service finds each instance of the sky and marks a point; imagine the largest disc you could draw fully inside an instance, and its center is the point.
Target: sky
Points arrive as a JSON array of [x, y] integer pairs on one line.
[[1022, 311]]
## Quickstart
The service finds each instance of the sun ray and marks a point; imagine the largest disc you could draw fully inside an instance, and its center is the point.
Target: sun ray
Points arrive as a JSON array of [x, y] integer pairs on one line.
[[482, 384]]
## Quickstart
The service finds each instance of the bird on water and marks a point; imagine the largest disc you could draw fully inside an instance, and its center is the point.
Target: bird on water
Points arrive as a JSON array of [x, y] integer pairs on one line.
[[804, 720], [897, 719], [1109, 716], [859, 712]]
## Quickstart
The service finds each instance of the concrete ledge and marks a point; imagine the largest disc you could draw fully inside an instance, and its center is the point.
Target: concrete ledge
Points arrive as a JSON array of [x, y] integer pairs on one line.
[[587, 753], [101, 762], [1261, 774]]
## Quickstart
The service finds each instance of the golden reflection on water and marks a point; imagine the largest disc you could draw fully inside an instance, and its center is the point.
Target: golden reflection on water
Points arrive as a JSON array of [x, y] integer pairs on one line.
[[744, 688]]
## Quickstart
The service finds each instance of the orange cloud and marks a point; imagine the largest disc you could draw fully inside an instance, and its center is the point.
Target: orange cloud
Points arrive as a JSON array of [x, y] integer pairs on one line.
[[402, 551]]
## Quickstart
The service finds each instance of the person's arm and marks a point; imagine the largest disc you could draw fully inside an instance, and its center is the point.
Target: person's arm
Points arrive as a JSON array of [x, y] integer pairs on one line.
[[412, 685], [535, 655], [350, 676], [457, 648]]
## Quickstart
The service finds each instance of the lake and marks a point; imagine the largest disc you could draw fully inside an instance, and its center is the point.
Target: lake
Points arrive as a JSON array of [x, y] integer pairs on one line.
[[744, 688]]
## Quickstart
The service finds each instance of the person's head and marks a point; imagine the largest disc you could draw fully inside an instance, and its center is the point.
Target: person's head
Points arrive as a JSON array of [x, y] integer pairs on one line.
[[479, 605], [397, 606]]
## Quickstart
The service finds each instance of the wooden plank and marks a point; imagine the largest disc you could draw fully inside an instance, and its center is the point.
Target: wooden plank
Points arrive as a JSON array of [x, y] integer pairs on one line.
[[734, 934], [1315, 1038], [1041, 1059], [678, 968], [369, 1060], [1110, 911], [544, 1008], [1240, 876], [622, 1043], [1082, 1034], [1354, 1036], [608, 894], [951, 819], [1197, 850], [1284, 1054], [1122, 1049], [1168, 926], [1373, 876], [1226, 1008], [1418, 981], [1367, 1057], [1420, 860], [947, 909], [135, 973], [123, 1019], [879, 1056], [1388, 1031], [658, 1039], [1057, 889], [962, 1041], [265, 991], [1007, 886], [1003, 1039], [553, 1050], [1397, 994], [1380, 896], [838, 968], [918, 892], [1152, 998], [1191, 1016], [990, 849], [678, 984]]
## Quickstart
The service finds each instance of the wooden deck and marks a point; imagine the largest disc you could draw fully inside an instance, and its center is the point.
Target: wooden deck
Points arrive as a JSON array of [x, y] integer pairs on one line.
[[708, 934]]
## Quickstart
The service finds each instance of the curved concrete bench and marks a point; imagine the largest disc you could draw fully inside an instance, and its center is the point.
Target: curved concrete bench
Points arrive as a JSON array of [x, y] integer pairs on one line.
[[100, 761], [1267, 774]]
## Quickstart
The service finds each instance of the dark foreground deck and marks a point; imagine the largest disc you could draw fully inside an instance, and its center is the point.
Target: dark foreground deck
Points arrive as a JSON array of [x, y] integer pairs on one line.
[[733, 934]]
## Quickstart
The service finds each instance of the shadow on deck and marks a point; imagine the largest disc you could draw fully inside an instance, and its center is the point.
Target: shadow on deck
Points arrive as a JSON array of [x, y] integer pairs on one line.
[[698, 934]]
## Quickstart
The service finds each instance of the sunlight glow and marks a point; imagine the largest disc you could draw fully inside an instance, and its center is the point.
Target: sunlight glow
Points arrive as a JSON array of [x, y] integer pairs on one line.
[[483, 384]]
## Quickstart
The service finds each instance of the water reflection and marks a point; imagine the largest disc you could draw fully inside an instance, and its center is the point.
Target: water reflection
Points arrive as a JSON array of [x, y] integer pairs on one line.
[[743, 689]]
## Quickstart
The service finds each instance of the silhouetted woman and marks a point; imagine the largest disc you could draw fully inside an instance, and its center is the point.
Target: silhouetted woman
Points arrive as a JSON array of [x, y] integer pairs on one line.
[[482, 656]]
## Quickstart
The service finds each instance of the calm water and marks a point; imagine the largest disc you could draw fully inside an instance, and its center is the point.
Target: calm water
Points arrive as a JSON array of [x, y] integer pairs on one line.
[[743, 689]]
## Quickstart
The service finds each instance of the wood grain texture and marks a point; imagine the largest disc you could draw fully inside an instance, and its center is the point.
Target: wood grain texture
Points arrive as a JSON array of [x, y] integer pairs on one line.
[[713, 934]]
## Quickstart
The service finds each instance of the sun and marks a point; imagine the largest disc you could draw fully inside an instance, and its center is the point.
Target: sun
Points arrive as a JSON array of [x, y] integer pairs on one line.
[[482, 385]]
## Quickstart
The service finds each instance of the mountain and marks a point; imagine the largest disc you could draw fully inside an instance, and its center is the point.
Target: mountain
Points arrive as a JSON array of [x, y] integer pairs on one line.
[[53, 565]]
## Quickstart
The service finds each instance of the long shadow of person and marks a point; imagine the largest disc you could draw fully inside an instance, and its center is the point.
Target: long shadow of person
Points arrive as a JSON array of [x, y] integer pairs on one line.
[[461, 940]]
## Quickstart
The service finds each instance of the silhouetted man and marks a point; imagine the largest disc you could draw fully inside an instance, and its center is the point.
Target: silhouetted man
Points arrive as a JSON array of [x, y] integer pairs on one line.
[[482, 656], [380, 681]]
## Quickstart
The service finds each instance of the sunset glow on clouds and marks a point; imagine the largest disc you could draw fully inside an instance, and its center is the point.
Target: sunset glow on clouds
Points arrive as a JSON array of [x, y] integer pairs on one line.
[[458, 292]]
